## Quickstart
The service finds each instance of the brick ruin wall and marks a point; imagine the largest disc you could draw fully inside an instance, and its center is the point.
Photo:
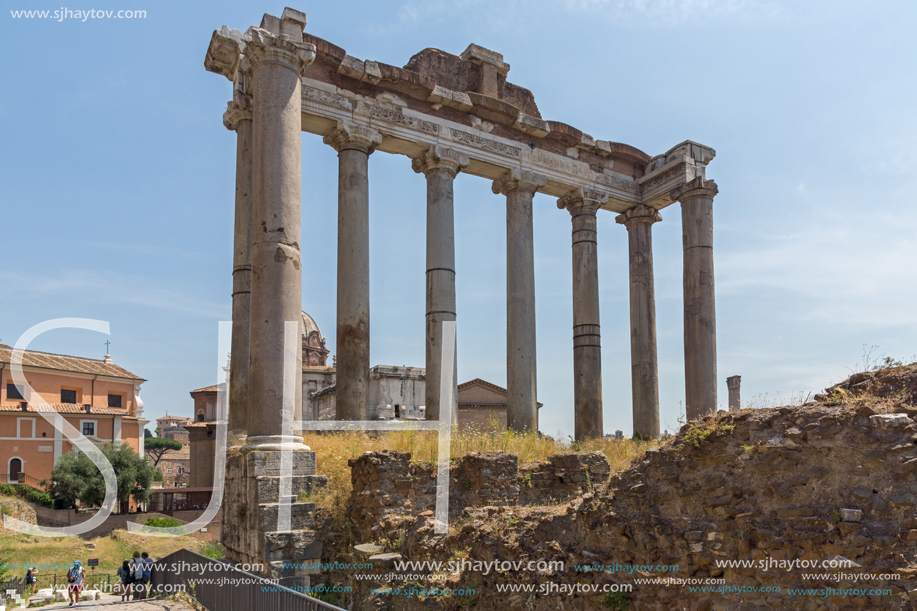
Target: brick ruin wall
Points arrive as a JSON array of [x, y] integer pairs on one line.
[[388, 484]]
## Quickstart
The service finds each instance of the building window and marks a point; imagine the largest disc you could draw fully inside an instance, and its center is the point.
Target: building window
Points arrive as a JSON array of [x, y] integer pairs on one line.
[[114, 400], [14, 392], [169, 470], [67, 395], [89, 428], [180, 470]]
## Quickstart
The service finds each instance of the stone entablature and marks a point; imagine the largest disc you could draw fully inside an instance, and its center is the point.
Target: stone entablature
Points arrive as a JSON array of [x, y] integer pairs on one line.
[[495, 123]]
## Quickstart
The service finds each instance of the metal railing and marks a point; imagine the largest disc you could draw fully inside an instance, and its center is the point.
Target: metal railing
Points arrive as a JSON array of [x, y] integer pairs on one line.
[[21, 478], [219, 586]]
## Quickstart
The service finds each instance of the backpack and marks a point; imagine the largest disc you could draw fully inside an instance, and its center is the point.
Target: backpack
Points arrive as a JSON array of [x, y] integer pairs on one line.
[[72, 575], [30, 578]]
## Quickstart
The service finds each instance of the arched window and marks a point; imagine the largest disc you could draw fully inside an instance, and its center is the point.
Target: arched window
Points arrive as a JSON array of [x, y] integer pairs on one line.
[[200, 417]]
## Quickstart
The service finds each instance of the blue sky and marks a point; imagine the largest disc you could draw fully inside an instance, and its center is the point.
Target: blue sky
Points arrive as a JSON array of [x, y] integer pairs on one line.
[[118, 186]]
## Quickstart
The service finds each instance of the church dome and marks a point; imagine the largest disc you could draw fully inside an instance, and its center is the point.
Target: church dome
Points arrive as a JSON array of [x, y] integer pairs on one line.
[[309, 325], [314, 352]]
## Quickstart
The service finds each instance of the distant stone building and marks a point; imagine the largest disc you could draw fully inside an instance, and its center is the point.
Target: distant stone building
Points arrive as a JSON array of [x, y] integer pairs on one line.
[[202, 436], [173, 427], [394, 392], [175, 466], [481, 405]]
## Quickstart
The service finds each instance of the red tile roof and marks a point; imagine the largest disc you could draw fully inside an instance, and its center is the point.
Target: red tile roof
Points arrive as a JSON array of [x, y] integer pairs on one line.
[[213, 388], [70, 408], [62, 362]]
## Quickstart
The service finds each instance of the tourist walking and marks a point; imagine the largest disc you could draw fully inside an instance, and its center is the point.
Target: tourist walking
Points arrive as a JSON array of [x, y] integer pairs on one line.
[[75, 577], [136, 566], [124, 572]]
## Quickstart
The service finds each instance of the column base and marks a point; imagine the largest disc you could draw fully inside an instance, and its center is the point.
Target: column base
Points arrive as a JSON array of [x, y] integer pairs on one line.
[[256, 484], [274, 443]]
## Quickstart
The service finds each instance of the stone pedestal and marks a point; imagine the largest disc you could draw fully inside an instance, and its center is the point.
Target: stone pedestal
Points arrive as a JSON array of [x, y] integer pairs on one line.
[[519, 186], [696, 199], [440, 166], [354, 146], [643, 354], [251, 508], [734, 383], [587, 345]]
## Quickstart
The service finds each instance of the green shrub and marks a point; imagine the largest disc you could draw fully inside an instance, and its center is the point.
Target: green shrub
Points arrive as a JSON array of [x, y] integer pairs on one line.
[[213, 549], [162, 522], [8, 490], [39, 497]]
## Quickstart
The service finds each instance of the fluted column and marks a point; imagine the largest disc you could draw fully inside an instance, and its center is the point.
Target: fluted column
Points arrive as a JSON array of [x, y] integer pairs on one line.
[[238, 118], [643, 355], [275, 64], [582, 204], [440, 166], [519, 186], [354, 145], [696, 199]]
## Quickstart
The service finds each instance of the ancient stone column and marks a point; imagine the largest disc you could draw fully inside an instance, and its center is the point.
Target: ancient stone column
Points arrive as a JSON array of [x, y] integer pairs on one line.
[[275, 64], [696, 199], [519, 186], [643, 357], [440, 166], [238, 118], [587, 347], [734, 383], [354, 145]]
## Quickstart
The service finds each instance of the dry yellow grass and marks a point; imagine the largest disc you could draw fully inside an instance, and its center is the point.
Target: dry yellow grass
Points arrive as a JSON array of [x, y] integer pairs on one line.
[[333, 450]]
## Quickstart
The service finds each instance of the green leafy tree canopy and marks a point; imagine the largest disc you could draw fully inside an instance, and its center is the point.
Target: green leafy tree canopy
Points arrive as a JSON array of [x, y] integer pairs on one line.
[[75, 476], [156, 447]]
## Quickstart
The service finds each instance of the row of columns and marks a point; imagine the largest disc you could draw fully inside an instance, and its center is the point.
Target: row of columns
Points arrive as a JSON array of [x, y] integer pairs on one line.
[[267, 272]]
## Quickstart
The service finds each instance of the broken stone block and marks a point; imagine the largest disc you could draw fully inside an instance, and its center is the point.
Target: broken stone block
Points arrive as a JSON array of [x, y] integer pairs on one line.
[[851, 515]]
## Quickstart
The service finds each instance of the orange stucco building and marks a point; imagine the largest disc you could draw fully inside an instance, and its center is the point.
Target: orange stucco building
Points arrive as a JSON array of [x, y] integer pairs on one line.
[[98, 398]]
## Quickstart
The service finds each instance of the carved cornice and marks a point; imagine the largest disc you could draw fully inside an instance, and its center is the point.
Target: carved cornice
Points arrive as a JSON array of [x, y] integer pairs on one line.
[[349, 136], [582, 201], [268, 48], [440, 157], [695, 187], [639, 214], [236, 112], [516, 179]]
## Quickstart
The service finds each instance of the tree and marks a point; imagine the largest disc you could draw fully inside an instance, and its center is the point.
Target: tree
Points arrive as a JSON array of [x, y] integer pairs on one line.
[[156, 447], [75, 476], [147, 434]]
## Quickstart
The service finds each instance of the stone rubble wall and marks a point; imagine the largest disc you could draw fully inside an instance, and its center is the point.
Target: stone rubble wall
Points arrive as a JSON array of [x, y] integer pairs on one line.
[[787, 484], [387, 483]]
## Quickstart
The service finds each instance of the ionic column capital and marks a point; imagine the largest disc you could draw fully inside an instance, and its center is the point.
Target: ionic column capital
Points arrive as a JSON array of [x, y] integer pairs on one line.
[[348, 136], [697, 186], [236, 112], [582, 201], [440, 157], [517, 179], [639, 214], [266, 47]]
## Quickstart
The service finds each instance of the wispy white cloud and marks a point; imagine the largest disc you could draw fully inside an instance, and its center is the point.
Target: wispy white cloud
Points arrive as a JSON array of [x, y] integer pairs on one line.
[[622, 12], [111, 288]]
